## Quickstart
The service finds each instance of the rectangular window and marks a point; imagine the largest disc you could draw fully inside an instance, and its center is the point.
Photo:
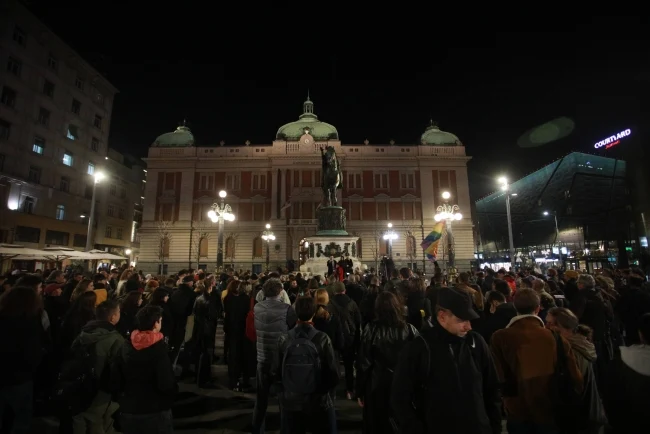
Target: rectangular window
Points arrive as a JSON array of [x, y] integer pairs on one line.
[[205, 182], [110, 211], [232, 182], [5, 129], [94, 144], [79, 83], [34, 174], [38, 146], [259, 182], [108, 232], [68, 159], [8, 97], [91, 168], [123, 193], [19, 36], [113, 190], [73, 132], [407, 181], [28, 205], [57, 238], [48, 88], [355, 181], [381, 180], [118, 233], [121, 214], [60, 212], [76, 107], [43, 117], [14, 66], [97, 122], [52, 62], [64, 185]]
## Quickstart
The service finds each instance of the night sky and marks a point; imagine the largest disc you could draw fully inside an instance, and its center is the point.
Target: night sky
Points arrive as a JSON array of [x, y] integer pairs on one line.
[[236, 84]]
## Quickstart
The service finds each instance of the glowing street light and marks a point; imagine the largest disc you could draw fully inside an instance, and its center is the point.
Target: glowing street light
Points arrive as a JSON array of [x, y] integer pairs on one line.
[[219, 213], [448, 213], [90, 242], [268, 236], [506, 187]]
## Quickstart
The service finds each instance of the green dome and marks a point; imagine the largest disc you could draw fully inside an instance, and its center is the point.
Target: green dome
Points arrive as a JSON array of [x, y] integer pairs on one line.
[[435, 137], [179, 138], [307, 123]]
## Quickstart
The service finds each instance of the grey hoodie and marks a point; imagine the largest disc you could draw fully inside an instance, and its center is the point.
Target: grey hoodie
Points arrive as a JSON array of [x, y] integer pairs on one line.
[[637, 357]]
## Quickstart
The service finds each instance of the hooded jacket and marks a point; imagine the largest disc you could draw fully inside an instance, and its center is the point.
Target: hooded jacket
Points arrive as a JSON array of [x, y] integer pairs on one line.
[[143, 376]]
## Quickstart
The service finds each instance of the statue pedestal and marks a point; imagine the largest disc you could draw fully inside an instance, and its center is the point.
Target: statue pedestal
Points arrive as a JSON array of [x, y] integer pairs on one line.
[[331, 221], [322, 247]]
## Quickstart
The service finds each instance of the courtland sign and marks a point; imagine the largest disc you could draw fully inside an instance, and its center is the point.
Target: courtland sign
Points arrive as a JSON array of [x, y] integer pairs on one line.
[[612, 140]]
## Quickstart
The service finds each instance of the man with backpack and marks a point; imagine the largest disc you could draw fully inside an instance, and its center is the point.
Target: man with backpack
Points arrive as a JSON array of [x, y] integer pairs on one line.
[[273, 318], [308, 370], [93, 352], [445, 381]]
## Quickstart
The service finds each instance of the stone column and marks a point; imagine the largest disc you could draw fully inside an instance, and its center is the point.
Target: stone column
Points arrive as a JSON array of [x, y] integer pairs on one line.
[[275, 174]]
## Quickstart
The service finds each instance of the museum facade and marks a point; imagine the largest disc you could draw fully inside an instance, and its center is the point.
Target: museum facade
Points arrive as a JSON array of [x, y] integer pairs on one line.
[[280, 185]]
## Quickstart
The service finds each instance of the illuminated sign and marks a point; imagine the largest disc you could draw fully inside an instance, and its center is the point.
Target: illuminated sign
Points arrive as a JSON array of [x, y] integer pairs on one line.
[[613, 140]]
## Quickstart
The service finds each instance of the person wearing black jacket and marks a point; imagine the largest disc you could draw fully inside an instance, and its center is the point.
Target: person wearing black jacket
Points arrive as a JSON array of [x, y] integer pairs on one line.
[[350, 316], [181, 304], [453, 363], [143, 378], [313, 413]]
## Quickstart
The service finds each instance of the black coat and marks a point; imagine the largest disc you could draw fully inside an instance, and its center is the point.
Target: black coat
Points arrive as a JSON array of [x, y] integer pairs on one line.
[[461, 393], [144, 379]]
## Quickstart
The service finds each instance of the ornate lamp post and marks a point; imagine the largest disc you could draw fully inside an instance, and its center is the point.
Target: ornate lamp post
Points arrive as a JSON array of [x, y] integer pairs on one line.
[[219, 213], [448, 213], [90, 241], [390, 235], [268, 236]]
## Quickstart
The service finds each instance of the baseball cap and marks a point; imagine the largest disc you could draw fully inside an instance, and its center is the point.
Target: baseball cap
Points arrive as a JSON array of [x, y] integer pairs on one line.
[[458, 302]]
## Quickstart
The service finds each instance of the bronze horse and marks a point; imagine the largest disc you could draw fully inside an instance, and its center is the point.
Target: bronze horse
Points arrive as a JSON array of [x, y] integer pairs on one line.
[[332, 176]]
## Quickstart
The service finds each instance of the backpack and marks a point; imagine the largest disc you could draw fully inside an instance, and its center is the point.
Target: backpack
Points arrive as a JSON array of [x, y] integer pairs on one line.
[[250, 322], [301, 366], [77, 385]]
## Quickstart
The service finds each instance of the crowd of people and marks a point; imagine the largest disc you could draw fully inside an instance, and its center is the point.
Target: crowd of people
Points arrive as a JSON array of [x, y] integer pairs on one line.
[[559, 352]]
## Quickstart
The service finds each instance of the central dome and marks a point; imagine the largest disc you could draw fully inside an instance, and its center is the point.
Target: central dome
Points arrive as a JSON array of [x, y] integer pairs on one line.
[[434, 136], [307, 123]]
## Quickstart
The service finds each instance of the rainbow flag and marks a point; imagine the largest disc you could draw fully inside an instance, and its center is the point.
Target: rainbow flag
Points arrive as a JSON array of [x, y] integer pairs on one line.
[[432, 241]]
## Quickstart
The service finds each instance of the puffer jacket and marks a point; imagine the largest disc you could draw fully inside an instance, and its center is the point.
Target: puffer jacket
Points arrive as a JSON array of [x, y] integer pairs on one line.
[[273, 318]]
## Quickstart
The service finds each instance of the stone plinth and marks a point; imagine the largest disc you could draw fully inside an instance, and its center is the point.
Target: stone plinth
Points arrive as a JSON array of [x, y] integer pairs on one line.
[[321, 247], [331, 221]]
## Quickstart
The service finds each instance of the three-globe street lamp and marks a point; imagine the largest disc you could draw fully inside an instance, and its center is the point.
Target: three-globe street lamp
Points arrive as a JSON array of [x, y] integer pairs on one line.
[[219, 213], [268, 236], [448, 213], [506, 187], [90, 242], [390, 235]]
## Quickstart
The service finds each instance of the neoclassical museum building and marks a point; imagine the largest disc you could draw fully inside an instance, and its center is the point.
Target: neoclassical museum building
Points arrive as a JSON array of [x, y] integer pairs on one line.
[[278, 184]]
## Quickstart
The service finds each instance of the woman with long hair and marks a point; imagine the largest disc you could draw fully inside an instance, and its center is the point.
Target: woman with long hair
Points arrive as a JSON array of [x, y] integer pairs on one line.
[[128, 310], [86, 285], [327, 321], [381, 342]]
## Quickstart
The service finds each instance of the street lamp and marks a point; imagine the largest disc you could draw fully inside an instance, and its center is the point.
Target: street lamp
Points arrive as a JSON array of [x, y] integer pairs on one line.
[[220, 212], [97, 176], [448, 213], [390, 235], [506, 187], [557, 230], [268, 236]]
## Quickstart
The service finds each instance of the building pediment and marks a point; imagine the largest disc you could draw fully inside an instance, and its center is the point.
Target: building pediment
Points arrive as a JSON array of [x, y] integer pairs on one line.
[[355, 197], [382, 196], [409, 197]]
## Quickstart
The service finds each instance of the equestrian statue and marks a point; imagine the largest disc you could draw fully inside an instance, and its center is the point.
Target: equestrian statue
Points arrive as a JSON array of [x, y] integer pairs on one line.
[[332, 176]]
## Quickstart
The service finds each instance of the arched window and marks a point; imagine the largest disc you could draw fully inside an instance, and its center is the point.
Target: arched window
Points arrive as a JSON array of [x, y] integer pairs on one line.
[[359, 248], [258, 247], [230, 247], [383, 247], [203, 247]]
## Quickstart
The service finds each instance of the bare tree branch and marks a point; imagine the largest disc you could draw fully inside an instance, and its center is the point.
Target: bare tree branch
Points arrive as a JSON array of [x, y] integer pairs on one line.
[[199, 233], [163, 229]]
